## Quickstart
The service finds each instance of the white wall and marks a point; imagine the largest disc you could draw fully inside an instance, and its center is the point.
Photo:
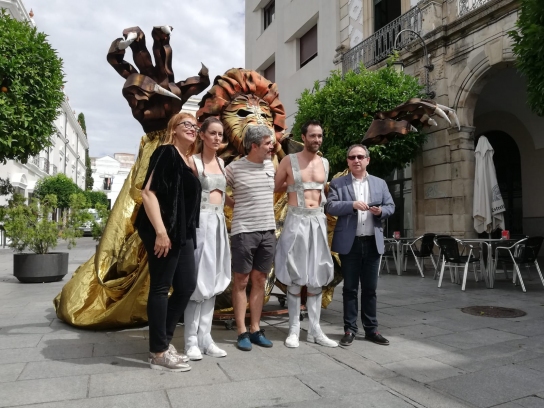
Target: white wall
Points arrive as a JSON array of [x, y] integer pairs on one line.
[[107, 166], [279, 44], [16, 9]]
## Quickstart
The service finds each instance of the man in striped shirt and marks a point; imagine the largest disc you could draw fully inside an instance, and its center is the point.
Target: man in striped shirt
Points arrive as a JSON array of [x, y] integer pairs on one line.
[[253, 238]]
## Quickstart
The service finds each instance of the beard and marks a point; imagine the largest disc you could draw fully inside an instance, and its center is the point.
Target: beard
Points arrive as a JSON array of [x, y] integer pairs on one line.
[[312, 148]]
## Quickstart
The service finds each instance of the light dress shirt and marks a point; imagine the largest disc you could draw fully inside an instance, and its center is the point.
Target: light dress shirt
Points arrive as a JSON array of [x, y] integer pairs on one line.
[[365, 226]]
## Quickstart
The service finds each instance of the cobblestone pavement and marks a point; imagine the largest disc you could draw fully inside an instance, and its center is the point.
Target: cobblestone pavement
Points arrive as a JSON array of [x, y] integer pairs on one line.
[[438, 357]]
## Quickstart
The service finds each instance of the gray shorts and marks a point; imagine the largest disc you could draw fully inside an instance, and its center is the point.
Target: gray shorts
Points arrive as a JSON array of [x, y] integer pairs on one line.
[[253, 250]]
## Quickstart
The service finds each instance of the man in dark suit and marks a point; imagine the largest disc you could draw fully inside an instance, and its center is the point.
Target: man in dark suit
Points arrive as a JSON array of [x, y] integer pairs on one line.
[[361, 202]]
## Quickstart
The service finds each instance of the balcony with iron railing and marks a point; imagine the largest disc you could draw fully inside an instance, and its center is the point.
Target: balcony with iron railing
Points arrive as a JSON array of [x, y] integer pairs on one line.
[[466, 6], [35, 160], [379, 45], [53, 170], [44, 164]]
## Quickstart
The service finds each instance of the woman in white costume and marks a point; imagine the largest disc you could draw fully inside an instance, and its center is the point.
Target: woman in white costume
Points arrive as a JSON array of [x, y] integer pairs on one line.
[[212, 255]]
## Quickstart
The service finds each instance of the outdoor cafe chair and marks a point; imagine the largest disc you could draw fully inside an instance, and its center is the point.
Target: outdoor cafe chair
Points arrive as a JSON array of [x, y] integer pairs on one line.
[[449, 249], [436, 271], [425, 251], [523, 252], [389, 253], [503, 256]]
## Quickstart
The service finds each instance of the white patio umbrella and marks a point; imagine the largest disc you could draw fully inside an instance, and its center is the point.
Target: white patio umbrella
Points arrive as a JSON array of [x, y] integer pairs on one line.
[[488, 209]]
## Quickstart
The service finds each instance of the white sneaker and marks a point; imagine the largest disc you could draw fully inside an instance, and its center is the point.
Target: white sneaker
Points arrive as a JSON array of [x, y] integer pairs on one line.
[[215, 351], [292, 341], [322, 340], [194, 353], [181, 356]]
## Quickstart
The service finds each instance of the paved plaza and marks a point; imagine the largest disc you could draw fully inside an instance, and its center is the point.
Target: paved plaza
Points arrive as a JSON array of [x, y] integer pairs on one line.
[[438, 357]]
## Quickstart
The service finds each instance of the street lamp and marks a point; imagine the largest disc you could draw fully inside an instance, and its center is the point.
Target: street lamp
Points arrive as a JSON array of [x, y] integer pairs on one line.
[[399, 67]]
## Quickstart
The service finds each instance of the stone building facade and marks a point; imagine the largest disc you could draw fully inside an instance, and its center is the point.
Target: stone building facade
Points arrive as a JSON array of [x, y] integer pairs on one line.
[[473, 71]]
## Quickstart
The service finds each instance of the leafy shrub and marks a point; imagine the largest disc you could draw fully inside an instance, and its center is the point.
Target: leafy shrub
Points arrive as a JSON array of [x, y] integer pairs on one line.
[[345, 106]]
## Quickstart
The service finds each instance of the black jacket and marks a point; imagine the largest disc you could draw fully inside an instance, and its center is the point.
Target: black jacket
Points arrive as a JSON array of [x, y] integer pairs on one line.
[[178, 192]]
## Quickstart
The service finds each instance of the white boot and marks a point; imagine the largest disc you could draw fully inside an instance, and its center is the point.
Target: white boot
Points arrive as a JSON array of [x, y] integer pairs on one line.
[[315, 334], [205, 341], [293, 305], [191, 320]]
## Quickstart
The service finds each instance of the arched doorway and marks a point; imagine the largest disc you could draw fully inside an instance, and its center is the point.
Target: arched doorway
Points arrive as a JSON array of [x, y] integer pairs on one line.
[[507, 161]]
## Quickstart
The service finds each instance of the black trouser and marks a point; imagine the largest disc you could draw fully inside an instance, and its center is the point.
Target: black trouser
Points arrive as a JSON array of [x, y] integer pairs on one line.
[[360, 265], [176, 270]]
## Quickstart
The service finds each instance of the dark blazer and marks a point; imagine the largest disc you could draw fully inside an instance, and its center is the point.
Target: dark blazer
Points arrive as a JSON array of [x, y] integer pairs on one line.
[[340, 203]]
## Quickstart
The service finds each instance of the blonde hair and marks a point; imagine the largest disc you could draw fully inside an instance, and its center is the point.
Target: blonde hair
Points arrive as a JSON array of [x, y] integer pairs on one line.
[[172, 123]]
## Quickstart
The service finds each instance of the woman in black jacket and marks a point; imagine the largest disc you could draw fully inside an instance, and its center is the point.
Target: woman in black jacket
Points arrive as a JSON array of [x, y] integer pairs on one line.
[[167, 223]]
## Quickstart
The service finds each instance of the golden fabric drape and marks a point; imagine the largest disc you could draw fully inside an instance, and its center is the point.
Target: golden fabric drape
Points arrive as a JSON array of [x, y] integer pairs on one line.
[[110, 289]]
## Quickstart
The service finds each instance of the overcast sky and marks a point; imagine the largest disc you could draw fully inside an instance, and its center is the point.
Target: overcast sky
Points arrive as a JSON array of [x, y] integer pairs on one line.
[[208, 31]]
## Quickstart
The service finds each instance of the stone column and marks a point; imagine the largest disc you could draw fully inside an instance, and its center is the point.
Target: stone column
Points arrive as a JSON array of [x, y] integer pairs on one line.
[[443, 180], [437, 184], [462, 180]]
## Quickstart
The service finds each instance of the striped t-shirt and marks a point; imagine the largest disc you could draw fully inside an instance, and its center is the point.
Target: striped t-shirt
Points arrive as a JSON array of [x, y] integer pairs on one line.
[[253, 192]]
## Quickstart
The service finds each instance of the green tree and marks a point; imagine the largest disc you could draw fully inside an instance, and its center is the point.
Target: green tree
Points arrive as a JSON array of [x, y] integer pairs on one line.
[[81, 121], [89, 181], [529, 50], [345, 106], [96, 197], [31, 81], [60, 185], [5, 189]]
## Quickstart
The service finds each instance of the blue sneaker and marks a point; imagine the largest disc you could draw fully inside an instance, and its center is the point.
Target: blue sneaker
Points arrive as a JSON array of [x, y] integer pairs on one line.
[[243, 342], [259, 339]]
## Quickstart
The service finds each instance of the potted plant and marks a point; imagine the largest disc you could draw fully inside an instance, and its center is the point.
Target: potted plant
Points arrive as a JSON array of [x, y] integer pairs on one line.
[[31, 227]]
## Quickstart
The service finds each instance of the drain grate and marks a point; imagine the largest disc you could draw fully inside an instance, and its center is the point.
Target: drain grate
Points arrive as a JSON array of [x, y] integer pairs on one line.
[[493, 311]]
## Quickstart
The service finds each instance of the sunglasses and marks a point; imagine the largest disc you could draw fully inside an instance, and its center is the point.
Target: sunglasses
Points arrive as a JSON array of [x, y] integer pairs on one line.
[[358, 156]]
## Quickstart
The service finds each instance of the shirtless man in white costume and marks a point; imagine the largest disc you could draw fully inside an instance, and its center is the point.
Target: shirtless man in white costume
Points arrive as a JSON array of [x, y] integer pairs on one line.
[[303, 257]]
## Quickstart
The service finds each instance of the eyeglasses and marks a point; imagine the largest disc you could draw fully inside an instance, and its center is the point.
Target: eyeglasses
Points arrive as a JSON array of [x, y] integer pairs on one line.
[[189, 125], [358, 157]]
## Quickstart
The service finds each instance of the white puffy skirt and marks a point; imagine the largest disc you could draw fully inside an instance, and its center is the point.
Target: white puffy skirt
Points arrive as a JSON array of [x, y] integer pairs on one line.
[[212, 254], [302, 255]]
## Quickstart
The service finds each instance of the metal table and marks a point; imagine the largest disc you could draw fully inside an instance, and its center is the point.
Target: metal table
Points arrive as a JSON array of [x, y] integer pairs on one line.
[[489, 274], [399, 250]]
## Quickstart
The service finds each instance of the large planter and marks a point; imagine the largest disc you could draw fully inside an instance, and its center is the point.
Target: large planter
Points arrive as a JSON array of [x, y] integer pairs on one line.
[[37, 268]]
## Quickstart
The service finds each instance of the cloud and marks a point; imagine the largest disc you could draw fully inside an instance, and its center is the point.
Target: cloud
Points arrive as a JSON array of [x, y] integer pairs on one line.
[[208, 31]]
